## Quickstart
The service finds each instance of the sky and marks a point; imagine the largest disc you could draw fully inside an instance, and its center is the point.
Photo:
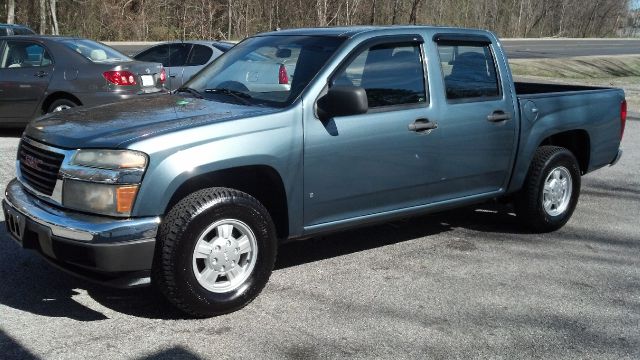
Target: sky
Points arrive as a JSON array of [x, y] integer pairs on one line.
[[635, 4]]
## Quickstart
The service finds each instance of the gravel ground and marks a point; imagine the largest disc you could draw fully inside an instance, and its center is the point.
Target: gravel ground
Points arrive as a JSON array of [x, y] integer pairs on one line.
[[461, 284]]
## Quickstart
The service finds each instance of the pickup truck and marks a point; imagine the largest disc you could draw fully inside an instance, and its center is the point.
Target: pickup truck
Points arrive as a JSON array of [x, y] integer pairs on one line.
[[193, 192]]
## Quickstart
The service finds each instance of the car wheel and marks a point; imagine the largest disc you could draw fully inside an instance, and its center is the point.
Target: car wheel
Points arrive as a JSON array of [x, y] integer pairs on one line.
[[215, 252], [60, 105], [551, 190]]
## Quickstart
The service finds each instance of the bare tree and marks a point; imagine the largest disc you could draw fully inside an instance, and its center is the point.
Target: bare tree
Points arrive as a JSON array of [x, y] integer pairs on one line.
[[11, 11], [235, 19], [373, 13], [414, 11], [54, 18], [43, 16]]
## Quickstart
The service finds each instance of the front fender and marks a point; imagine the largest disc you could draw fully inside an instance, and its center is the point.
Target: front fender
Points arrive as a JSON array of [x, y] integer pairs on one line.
[[273, 140]]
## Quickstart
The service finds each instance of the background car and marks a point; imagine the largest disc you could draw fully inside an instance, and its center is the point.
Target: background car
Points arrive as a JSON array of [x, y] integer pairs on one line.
[[42, 74], [183, 59], [267, 69], [15, 29]]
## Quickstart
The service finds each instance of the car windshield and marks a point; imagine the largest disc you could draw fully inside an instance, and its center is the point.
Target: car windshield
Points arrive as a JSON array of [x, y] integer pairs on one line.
[[94, 51], [264, 70]]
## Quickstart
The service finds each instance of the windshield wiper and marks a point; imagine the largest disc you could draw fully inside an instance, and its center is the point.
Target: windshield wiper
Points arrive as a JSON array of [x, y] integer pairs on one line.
[[191, 91], [239, 95]]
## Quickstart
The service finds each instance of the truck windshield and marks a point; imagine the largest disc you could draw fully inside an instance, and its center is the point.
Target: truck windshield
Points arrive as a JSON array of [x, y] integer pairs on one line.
[[264, 70]]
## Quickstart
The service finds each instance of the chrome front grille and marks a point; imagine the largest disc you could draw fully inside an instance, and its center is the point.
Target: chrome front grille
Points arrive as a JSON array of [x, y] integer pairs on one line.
[[39, 167]]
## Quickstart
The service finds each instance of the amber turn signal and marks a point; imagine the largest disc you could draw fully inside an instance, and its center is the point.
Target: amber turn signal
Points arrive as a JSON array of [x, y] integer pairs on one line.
[[125, 196]]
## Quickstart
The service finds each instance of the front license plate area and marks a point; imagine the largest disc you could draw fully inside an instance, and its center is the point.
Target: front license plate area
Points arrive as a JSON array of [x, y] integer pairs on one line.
[[147, 80], [16, 223]]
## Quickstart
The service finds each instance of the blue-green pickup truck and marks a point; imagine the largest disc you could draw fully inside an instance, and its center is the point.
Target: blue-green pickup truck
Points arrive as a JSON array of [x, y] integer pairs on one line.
[[193, 192]]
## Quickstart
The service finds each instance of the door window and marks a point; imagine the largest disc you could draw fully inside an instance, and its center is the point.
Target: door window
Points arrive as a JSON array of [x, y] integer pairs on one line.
[[20, 54], [169, 55], [391, 74], [469, 71], [200, 55], [22, 31]]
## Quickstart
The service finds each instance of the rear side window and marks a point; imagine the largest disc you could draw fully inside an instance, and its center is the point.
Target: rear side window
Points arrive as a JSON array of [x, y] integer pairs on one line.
[[22, 31], [22, 54], [169, 55], [94, 51], [469, 71], [200, 55], [391, 74]]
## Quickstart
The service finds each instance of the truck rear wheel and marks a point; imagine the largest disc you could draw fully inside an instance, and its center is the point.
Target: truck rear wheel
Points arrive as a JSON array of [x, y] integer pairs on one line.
[[551, 190], [215, 252]]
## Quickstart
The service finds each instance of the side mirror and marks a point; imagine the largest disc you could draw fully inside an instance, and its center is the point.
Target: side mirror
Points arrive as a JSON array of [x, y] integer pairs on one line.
[[342, 101]]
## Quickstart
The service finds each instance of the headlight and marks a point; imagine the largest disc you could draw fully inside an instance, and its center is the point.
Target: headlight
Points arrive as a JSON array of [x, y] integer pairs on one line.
[[105, 199], [110, 159]]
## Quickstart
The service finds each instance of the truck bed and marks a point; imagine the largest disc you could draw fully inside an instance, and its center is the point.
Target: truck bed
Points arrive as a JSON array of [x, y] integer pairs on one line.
[[591, 111]]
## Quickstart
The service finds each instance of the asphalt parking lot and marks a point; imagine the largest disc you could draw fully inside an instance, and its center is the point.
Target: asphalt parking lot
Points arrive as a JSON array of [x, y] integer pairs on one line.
[[462, 284]]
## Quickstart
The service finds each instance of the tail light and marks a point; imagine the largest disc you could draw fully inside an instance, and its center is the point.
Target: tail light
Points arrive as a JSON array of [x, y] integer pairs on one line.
[[283, 77], [163, 75], [122, 78], [623, 117]]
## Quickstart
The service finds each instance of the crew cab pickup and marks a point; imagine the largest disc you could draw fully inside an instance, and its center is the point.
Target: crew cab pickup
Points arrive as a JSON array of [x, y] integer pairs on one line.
[[194, 191]]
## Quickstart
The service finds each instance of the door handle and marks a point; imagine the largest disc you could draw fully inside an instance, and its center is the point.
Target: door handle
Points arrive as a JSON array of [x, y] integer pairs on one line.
[[423, 125], [172, 76], [41, 74], [498, 116]]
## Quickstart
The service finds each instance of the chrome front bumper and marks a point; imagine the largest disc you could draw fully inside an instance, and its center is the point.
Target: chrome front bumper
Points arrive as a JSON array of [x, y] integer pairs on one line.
[[77, 226], [82, 244]]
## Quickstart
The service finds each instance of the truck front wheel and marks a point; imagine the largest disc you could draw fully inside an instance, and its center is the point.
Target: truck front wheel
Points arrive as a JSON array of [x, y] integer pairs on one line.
[[215, 252], [551, 189]]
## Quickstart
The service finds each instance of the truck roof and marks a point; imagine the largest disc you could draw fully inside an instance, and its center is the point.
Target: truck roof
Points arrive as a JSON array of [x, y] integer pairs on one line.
[[350, 31]]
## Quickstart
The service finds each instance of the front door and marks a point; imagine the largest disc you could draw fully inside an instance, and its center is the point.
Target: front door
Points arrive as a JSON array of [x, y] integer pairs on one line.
[[25, 72], [372, 163]]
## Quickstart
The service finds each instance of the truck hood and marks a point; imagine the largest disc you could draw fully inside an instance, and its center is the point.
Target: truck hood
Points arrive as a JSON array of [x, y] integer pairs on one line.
[[119, 124]]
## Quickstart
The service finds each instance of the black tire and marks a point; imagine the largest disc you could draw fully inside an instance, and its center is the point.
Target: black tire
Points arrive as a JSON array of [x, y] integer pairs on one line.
[[529, 201], [61, 103], [173, 271]]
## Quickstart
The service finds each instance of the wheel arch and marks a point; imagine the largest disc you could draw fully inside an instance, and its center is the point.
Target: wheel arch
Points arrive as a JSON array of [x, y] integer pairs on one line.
[[576, 141], [262, 182], [56, 96]]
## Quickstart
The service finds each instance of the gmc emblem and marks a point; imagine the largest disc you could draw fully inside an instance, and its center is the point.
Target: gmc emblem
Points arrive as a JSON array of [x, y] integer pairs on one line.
[[32, 162]]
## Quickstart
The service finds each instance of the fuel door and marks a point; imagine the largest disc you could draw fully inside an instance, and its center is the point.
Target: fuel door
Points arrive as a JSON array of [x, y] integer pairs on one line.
[[530, 111]]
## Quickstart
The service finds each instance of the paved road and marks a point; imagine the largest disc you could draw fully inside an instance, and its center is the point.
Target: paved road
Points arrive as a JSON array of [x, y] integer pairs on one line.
[[525, 49], [534, 49], [462, 284]]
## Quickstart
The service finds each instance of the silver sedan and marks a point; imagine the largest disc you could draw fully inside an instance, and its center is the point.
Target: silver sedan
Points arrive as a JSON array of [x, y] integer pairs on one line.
[[183, 59]]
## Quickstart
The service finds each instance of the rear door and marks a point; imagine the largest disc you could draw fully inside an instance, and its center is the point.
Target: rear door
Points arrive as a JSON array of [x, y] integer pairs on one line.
[[199, 56], [477, 124], [373, 163], [172, 56], [25, 72]]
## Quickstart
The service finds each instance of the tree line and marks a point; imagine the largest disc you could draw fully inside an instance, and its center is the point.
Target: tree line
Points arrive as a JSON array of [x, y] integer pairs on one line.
[[236, 19]]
